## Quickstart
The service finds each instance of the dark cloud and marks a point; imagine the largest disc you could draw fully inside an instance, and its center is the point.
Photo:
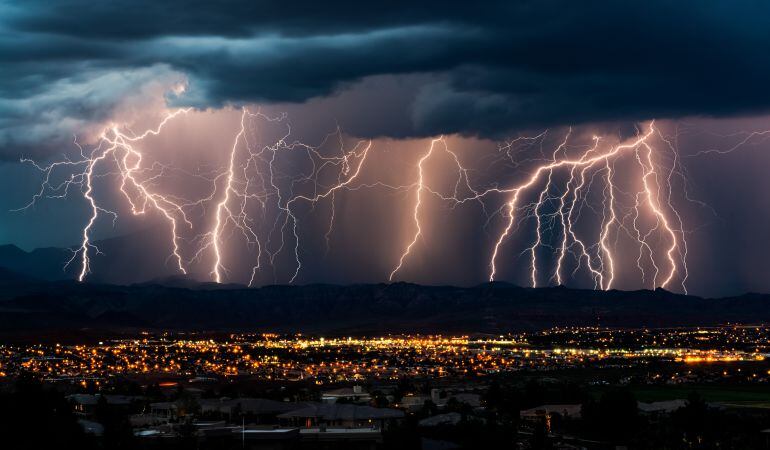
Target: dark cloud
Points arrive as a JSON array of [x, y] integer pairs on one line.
[[487, 68]]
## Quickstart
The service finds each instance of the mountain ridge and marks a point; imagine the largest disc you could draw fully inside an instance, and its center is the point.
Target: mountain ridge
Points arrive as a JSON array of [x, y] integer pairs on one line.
[[115, 263], [361, 309]]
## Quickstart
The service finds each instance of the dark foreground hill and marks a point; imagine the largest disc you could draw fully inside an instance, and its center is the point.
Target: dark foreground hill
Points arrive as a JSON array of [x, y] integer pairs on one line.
[[29, 306]]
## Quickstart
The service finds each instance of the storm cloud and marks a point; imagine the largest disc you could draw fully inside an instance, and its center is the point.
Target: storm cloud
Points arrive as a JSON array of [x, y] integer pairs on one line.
[[483, 68]]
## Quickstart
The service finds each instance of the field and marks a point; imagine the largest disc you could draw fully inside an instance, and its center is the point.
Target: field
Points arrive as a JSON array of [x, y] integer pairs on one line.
[[746, 395]]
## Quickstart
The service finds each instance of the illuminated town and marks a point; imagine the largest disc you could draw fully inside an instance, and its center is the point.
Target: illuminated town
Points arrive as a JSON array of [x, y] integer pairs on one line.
[[263, 390], [347, 359]]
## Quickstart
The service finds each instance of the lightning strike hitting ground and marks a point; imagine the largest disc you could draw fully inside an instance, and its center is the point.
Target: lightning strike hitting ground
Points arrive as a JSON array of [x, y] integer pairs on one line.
[[115, 146], [422, 188], [256, 203], [590, 160], [256, 167], [222, 206], [581, 171]]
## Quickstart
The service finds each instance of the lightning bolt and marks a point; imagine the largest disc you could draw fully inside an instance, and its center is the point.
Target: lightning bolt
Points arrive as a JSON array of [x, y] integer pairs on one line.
[[581, 170], [118, 147], [589, 160], [559, 189], [222, 206], [358, 154], [462, 181], [602, 265], [240, 176], [417, 204]]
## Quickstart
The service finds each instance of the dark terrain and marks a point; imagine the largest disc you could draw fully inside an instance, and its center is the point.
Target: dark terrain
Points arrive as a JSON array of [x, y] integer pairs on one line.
[[31, 306]]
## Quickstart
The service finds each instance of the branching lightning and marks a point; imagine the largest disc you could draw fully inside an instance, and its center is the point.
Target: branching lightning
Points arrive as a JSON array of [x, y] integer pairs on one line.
[[577, 201], [118, 147], [598, 257], [601, 265]]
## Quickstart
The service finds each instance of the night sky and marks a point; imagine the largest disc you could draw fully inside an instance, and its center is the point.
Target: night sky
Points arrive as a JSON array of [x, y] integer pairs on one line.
[[504, 82]]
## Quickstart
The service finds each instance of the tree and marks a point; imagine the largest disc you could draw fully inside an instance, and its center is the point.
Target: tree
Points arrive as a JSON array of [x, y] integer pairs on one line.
[[36, 417], [614, 417], [117, 428]]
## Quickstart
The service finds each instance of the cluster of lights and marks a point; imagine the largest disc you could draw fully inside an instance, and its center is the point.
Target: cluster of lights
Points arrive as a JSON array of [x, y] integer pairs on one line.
[[273, 357]]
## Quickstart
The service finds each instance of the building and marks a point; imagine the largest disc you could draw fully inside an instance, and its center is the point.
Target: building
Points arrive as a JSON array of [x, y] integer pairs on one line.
[[544, 413], [164, 409], [414, 402], [85, 404], [565, 411], [324, 415], [255, 410], [355, 394]]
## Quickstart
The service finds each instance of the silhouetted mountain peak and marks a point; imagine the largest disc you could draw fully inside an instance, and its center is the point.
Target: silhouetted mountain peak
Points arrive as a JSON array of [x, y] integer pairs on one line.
[[178, 303], [115, 263], [11, 250]]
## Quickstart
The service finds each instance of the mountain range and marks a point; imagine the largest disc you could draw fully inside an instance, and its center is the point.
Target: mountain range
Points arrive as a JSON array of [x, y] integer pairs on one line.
[[37, 295], [115, 263], [29, 306]]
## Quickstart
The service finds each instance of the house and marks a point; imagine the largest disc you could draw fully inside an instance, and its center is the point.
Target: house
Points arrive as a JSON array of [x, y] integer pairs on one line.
[[473, 400], [355, 394], [85, 404], [341, 438], [538, 412], [340, 415], [414, 402], [544, 413], [164, 409], [258, 410], [147, 420]]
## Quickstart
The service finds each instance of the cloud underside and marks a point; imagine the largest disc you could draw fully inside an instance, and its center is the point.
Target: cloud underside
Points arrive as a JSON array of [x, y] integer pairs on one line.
[[474, 68]]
